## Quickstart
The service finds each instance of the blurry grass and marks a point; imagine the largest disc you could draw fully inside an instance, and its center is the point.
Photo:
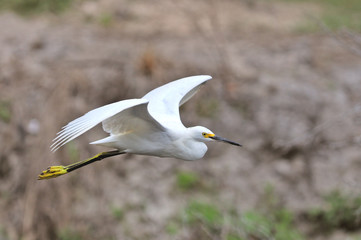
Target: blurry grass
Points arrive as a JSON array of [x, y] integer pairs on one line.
[[340, 211], [204, 219], [278, 225], [207, 213], [31, 7], [106, 19], [172, 228], [69, 234], [3, 234], [187, 180], [270, 220], [118, 213], [336, 15], [5, 111], [233, 237]]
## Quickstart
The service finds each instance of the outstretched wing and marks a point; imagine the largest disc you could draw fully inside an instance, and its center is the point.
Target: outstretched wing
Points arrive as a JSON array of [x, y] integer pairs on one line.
[[134, 119], [164, 101], [82, 124], [157, 110]]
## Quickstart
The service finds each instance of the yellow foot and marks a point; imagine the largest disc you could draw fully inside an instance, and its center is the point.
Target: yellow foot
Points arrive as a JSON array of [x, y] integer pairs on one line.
[[52, 172]]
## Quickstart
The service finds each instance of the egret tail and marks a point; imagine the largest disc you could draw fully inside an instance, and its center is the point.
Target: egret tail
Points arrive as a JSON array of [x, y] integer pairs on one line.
[[55, 171]]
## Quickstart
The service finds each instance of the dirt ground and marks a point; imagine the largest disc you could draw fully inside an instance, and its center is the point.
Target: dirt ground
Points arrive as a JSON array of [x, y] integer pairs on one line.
[[291, 98]]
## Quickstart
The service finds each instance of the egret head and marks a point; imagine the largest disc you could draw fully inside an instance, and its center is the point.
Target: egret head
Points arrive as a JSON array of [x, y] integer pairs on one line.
[[203, 134]]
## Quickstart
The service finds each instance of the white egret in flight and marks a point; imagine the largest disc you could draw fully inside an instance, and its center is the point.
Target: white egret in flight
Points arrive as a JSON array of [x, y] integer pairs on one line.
[[150, 126]]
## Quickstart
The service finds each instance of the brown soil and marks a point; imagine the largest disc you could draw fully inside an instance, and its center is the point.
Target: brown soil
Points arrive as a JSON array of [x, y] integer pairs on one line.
[[293, 101]]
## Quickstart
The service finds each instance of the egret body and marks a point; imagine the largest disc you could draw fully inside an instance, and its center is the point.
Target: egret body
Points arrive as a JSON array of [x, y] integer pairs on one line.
[[147, 126]]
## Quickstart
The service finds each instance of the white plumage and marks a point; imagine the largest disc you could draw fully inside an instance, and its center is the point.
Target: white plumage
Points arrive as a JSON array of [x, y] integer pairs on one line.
[[150, 125]]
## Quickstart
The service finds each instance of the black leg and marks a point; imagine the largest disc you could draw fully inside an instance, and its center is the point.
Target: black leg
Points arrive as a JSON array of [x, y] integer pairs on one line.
[[55, 171]]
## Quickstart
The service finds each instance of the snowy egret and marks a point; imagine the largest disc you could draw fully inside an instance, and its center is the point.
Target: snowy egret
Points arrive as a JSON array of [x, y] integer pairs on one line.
[[147, 126]]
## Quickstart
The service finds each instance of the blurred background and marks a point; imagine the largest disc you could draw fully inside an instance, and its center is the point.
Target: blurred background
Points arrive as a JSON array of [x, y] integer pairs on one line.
[[287, 85]]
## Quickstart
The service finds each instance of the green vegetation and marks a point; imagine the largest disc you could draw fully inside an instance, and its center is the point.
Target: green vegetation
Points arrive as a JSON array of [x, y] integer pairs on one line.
[[118, 213], [204, 212], [278, 225], [106, 19], [340, 211], [270, 220], [3, 234], [5, 111], [187, 180], [31, 7], [172, 228], [69, 234], [267, 222], [336, 15]]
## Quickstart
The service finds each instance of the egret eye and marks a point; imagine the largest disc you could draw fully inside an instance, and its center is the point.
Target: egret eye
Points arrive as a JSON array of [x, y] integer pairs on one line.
[[204, 134]]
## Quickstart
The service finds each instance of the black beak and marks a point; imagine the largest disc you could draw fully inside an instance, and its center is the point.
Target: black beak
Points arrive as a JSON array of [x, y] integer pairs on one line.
[[225, 140]]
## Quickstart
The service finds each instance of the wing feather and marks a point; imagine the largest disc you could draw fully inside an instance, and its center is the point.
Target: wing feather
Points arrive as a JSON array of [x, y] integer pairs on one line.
[[165, 100], [82, 124], [157, 110], [135, 119]]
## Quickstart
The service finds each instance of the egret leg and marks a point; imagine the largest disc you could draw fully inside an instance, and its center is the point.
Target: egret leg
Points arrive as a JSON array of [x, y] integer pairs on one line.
[[55, 171]]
